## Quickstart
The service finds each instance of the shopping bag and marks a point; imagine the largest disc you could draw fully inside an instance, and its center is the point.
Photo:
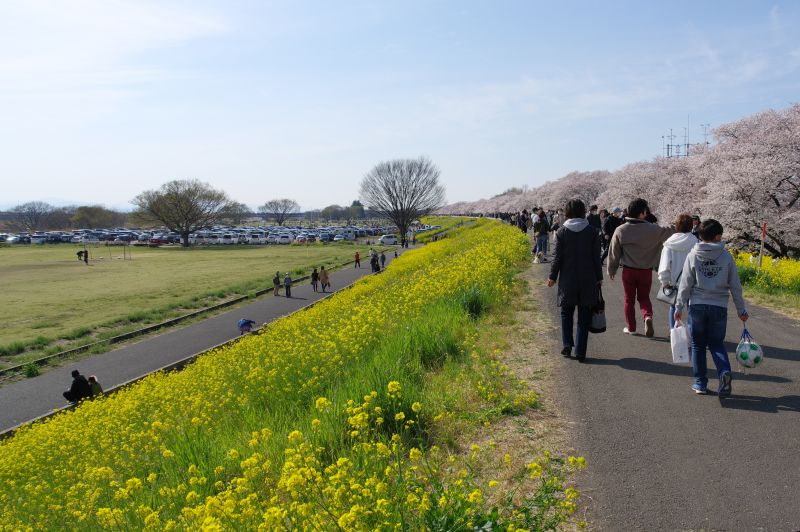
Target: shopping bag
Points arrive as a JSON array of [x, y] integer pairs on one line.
[[680, 343], [748, 353], [598, 324]]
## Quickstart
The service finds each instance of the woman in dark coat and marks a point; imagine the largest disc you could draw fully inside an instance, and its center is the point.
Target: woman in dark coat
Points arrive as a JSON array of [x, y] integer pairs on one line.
[[579, 273]]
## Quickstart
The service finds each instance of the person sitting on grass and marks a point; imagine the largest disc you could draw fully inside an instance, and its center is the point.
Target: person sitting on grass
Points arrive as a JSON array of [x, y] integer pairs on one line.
[[245, 326], [79, 389], [95, 387], [709, 274]]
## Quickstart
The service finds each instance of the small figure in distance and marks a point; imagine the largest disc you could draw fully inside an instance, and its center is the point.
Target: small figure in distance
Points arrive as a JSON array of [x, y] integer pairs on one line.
[[383, 260], [287, 285], [80, 255], [245, 326], [315, 280], [79, 389], [95, 387], [358, 259], [395, 253], [324, 279], [86, 256], [276, 284]]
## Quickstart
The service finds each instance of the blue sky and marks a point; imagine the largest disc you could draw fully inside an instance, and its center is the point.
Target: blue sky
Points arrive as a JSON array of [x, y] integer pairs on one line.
[[100, 100]]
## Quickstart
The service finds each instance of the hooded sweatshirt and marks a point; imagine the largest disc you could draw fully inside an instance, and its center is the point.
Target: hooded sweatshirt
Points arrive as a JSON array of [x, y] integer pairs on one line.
[[576, 224], [676, 248], [709, 273]]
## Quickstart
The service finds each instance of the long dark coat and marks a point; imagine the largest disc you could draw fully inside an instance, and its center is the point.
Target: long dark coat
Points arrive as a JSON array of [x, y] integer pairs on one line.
[[577, 266]]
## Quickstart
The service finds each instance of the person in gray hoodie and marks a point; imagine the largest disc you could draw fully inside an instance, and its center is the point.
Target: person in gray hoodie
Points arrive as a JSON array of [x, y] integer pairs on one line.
[[709, 274], [673, 255]]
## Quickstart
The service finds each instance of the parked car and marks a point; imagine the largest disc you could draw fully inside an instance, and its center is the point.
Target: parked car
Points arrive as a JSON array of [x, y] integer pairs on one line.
[[284, 239], [388, 240]]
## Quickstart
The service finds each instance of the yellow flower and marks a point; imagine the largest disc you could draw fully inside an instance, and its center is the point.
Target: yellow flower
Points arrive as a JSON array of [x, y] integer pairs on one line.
[[474, 496], [415, 454], [416, 407], [400, 416], [167, 454]]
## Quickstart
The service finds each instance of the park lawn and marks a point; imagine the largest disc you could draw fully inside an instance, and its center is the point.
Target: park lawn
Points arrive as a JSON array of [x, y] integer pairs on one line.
[[49, 296]]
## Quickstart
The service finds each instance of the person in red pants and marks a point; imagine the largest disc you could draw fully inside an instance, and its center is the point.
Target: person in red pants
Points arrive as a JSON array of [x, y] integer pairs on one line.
[[636, 246]]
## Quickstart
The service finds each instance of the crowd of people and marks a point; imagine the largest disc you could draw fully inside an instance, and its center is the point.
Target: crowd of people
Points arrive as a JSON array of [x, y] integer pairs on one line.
[[696, 275]]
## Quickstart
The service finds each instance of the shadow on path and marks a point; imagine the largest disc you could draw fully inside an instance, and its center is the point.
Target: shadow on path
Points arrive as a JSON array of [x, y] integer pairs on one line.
[[665, 368], [773, 405]]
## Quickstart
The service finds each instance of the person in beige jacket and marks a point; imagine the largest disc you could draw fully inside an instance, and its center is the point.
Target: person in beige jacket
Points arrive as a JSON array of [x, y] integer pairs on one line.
[[636, 246]]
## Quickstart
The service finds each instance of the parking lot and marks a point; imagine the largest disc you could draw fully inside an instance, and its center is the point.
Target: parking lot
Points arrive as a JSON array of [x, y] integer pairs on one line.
[[218, 235]]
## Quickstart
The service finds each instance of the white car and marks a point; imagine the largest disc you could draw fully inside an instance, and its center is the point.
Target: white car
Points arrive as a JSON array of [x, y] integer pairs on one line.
[[339, 238], [388, 240], [229, 238], [256, 238], [284, 239]]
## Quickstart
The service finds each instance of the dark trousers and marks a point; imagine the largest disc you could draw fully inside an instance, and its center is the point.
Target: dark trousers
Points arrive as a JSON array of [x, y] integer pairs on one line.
[[288, 289], [582, 332]]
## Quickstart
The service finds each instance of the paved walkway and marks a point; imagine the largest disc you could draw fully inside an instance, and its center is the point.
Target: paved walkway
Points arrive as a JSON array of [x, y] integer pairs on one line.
[[30, 398], [660, 457]]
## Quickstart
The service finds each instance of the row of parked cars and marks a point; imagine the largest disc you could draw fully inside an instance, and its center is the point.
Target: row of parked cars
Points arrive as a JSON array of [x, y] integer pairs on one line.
[[289, 235], [215, 235], [74, 237]]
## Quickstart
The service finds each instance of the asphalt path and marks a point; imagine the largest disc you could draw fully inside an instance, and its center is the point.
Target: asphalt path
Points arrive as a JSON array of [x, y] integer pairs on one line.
[[27, 399], [660, 457]]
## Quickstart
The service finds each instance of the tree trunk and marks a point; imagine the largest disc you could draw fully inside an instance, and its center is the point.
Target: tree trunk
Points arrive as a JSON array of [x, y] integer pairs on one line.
[[185, 239]]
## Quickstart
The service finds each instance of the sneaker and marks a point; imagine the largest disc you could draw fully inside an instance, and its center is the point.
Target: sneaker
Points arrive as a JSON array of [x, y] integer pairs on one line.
[[566, 352], [699, 389], [648, 328], [581, 359], [628, 331], [724, 384]]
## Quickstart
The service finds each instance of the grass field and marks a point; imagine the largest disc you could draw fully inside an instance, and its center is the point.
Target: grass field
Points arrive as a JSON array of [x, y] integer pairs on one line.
[[49, 299]]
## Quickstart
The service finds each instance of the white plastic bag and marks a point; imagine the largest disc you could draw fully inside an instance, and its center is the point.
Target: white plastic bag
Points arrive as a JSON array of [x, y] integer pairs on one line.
[[681, 343], [748, 353]]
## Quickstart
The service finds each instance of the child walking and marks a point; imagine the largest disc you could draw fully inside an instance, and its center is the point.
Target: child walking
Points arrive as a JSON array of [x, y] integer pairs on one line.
[[709, 274]]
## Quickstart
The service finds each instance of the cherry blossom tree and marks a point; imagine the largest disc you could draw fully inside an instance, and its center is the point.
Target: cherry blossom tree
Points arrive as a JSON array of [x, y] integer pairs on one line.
[[752, 176]]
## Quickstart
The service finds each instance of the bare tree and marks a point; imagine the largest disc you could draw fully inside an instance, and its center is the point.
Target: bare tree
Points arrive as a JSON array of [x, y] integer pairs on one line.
[[236, 213], [183, 206], [280, 209], [32, 216], [403, 190]]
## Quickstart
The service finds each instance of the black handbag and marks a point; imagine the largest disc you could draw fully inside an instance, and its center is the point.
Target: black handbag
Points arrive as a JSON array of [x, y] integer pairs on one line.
[[598, 324]]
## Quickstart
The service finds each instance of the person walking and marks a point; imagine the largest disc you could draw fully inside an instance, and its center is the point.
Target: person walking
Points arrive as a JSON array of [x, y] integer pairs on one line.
[[577, 269], [594, 218], [324, 280], [358, 260], [315, 279], [676, 249], [709, 275], [383, 260], [610, 225], [287, 284], [636, 246], [696, 226], [542, 230], [79, 389], [276, 284]]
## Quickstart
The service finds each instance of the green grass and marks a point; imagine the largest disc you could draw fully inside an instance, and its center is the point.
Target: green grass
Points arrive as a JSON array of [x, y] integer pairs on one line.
[[50, 297], [446, 222]]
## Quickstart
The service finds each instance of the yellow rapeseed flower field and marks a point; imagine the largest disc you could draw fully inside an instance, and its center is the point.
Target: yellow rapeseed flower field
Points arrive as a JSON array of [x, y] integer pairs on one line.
[[269, 434]]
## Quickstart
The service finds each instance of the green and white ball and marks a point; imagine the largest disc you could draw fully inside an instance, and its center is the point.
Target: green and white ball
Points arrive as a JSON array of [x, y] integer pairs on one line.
[[749, 354]]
